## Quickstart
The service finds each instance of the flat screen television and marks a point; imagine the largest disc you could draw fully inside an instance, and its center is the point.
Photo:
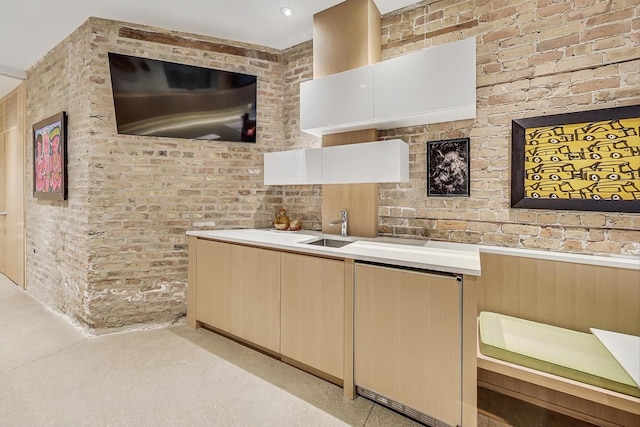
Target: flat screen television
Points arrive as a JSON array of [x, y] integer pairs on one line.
[[166, 99]]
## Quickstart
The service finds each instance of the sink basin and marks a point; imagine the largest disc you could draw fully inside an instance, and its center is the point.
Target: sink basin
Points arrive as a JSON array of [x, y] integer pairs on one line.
[[330, 243]]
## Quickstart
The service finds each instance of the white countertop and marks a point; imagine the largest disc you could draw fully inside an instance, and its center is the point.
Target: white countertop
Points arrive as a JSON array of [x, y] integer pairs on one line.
[[605, 261], [429, 255], [454, 258]]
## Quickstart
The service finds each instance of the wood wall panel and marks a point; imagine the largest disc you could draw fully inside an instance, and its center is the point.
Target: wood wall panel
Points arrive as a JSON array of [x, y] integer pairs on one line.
[[569, 295], [192, 282], [346, 36], [12, 167], [353, 137], [361, 203], [2, 207]]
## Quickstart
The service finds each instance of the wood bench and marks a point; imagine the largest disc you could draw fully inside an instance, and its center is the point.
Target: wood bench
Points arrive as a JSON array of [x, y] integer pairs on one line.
[[576, 292]]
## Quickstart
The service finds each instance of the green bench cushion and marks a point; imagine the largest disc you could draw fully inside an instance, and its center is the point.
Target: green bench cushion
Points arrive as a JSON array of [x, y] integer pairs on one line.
[[570, 354]]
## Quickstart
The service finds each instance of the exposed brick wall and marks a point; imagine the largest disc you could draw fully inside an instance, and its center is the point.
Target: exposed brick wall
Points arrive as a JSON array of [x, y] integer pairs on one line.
[[115, 253], [57, 233], [534, 58], [302, 201]]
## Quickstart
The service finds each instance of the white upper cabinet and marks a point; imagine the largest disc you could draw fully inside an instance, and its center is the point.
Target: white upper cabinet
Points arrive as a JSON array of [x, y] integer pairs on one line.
[[433, 85], [380, 161], [339, 101], [293, 167], [430, 86]]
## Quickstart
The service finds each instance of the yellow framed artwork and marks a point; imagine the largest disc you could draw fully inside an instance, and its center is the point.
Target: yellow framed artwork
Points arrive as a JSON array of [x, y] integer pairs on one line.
[[580, 161]]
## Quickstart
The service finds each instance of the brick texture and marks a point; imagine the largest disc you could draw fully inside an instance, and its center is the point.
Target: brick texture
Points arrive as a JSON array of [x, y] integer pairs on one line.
[[534, 59], [114, 254]]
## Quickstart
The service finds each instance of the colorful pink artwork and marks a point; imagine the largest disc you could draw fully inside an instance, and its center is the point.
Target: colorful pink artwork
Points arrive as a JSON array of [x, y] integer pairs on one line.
[[49, 158]]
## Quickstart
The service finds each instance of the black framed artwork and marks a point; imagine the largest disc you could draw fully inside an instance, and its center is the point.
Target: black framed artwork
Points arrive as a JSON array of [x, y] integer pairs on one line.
[[586, 161], [448, 168]]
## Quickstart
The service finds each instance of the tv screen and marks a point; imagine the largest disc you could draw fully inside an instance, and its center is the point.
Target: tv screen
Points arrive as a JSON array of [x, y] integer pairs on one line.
[[158, 98]]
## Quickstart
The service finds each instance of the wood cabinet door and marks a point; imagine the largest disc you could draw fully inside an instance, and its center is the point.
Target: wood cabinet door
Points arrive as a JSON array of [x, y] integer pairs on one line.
[[312, 329], [213, 284], [254, 305], [238, 291], [408, 339]]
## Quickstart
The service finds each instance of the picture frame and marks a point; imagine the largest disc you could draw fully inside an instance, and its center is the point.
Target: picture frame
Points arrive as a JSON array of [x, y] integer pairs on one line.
[[587, 161], [448, 168], [50, 158]]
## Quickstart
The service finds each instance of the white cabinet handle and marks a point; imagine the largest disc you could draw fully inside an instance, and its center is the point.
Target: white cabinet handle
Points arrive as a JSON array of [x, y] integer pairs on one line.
[[3, 214]]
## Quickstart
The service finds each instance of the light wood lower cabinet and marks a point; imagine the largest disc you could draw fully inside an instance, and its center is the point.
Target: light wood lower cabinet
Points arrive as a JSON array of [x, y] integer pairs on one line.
[[408, 339], [238, 291], [312, 328], [213, 284], [404, 341]]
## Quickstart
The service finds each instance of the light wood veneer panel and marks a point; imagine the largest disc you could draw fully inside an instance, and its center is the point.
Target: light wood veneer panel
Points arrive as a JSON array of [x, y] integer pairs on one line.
[[354, 137], [3, 219], [214, 292], [238, 291], [469, 351], [346, 36], [361, 203], [192, 282], [349, 317], [359, 200], [568, 295], [12, 195], [312, 329], [255, 304], [408, 339]]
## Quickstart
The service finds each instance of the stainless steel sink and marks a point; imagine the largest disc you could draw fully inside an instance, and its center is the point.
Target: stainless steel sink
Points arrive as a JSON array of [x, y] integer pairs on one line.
[[329, 243]]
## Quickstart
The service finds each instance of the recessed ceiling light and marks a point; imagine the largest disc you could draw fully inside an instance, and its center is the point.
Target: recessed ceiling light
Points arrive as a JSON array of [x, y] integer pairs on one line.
[[286, 11]]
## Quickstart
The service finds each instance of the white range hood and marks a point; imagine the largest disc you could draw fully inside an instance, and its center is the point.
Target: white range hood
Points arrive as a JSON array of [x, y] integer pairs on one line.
[[368, 162]]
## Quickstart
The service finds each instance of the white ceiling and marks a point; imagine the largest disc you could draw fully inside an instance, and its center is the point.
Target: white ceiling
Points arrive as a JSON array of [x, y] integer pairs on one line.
[[30, 28]]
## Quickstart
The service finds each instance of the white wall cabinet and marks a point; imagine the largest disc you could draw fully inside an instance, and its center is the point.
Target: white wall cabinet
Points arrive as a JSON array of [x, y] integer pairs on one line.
[[434, 85], [382, 161], [369, 162], [293, 167], [337, 101], [429, 86]]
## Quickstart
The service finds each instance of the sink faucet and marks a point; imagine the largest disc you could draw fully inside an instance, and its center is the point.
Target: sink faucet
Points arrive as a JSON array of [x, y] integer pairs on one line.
[[342, 221]]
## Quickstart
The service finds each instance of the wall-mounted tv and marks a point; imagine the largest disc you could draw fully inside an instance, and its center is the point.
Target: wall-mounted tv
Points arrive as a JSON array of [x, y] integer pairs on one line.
[[166, 99]]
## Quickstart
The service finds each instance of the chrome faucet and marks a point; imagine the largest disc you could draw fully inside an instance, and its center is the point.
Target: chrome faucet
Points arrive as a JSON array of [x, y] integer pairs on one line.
[[342, 221]]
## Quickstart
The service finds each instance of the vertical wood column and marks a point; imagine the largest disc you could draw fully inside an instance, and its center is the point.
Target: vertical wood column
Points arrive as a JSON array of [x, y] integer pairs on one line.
[[347, 36]]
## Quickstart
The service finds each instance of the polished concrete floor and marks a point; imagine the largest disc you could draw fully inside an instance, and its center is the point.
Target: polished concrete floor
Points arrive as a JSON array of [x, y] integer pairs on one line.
[[53, 374]]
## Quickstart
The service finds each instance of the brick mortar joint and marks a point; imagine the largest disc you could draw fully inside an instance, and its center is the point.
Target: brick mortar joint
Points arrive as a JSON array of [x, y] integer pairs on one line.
[[532, 224], [556, 73]]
